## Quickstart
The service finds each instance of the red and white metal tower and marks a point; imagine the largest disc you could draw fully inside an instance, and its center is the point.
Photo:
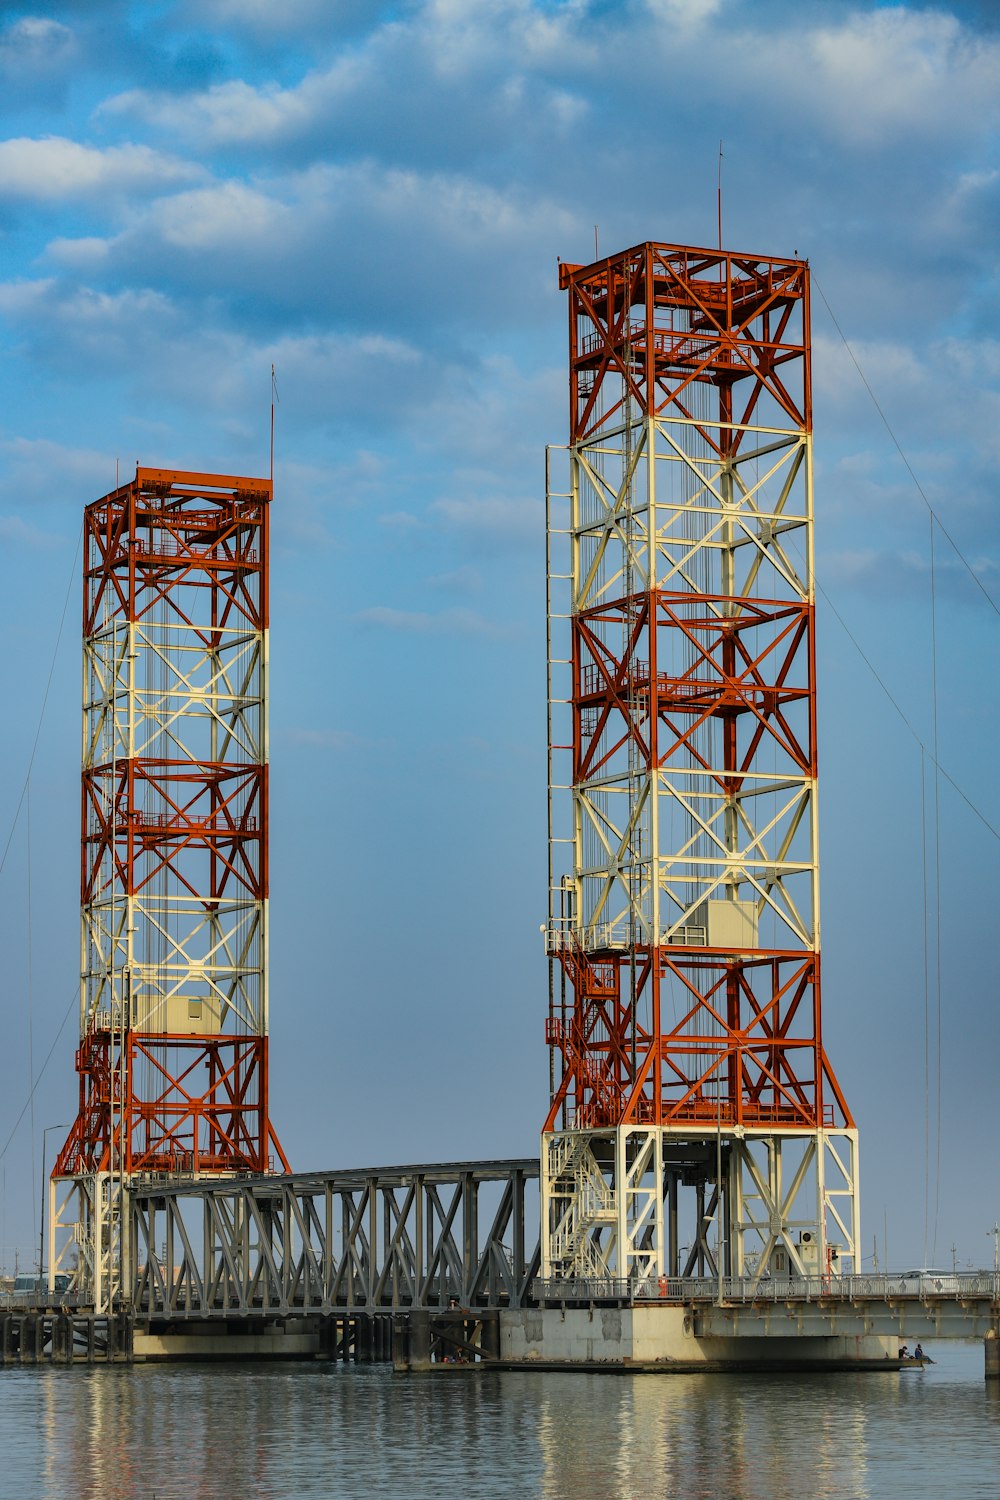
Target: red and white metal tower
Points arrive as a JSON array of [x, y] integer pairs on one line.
[[692, 1099], [172, 1062]]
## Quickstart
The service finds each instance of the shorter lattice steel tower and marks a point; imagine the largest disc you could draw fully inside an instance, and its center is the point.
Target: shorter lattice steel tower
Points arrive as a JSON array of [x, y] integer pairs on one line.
[[695, 1125], [172, 1062]]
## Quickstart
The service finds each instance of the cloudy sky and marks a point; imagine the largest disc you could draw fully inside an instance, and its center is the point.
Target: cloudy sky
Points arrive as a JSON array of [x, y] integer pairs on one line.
[[373, 196]]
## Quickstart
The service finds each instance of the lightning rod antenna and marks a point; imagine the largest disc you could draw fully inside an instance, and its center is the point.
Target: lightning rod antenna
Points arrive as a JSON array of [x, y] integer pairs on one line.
[[274, 398]]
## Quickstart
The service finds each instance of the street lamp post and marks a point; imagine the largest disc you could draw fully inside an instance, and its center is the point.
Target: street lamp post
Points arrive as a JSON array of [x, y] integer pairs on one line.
[[41, 1238]]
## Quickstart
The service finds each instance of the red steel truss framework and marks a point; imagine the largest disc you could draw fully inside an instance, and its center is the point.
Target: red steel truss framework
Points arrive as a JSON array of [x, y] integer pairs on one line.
[[172, 1062], [684, 916]]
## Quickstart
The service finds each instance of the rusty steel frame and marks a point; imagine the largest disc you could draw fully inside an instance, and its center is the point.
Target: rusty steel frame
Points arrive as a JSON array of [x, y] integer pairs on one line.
[[172, 1061], [683, 926]]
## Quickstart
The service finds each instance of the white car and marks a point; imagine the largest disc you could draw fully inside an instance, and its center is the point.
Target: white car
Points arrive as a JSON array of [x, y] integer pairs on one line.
[[928, 1282]]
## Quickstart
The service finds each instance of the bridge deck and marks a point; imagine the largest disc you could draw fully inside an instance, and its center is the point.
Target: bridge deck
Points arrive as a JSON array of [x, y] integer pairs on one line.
[[959, 1306]]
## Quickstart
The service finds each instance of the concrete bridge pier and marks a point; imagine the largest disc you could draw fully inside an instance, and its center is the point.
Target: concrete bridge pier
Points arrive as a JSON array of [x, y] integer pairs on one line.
[[991, 1345], [489, 1336], [31, 1339], [62, 1339], [382, 1342], [411, 1339], [364, 1340]]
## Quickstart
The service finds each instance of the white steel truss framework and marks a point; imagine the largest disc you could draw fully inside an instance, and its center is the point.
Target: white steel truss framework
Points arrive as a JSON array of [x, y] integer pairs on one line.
[[683, 929], [172, 1061]]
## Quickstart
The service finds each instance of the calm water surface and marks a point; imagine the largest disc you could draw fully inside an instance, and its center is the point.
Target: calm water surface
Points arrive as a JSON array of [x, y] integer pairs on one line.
[[226, 1432]]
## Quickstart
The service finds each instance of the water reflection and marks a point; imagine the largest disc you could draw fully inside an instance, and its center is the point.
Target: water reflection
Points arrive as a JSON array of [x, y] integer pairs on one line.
[[709, 1435], [275, 1432]]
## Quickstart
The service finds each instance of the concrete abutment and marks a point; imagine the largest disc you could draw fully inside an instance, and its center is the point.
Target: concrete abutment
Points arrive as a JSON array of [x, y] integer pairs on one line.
[[664, 1339]]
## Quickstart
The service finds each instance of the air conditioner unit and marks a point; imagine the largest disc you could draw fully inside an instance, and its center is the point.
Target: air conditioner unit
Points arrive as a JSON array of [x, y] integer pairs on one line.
[[809, 1252]]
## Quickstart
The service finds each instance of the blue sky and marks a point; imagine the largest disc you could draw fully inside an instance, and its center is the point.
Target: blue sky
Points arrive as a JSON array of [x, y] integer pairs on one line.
[[374, 197]]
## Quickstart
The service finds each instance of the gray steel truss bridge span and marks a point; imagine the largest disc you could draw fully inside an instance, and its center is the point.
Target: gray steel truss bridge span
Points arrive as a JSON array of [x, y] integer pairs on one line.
[[463, 1233]]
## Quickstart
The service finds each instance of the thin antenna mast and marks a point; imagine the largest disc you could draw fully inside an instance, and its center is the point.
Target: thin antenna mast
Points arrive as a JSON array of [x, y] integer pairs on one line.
[[720, 195], [274, 399]]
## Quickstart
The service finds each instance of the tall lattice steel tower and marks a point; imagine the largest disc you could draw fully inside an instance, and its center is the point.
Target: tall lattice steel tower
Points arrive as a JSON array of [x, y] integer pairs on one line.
[[695, 1125], [172, 1062]]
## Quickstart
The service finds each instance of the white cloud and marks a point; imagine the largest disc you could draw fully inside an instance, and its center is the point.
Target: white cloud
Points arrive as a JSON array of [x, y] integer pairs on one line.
[[458, 39], [225, 114], [86, 328], [886, 365], [512, 69], [808, 79], [266, 17], [54, 168], [925, 396], [463, 580], [220, 216], [37, 36], [35, 50], [686, 14], [891, 73], [24, 297], [164, 348], [17, 532], [975, 360], [492, 518], [894, 571], [897, 69], [505, 67], [87, 254], [41, 472], [329, 242]]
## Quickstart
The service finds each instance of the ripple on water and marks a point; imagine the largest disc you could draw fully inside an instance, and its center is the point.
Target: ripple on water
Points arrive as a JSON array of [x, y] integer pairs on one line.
[[272, 1432]]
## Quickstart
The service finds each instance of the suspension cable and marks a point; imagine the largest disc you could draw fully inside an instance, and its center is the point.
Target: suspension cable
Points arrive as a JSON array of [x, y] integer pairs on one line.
[[906, 462]]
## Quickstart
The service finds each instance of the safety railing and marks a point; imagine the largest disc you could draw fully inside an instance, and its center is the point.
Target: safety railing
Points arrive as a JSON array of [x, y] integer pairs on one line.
[[674, 345], [603, 936], [923, 1287], [31, 1301], [590, 939]]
